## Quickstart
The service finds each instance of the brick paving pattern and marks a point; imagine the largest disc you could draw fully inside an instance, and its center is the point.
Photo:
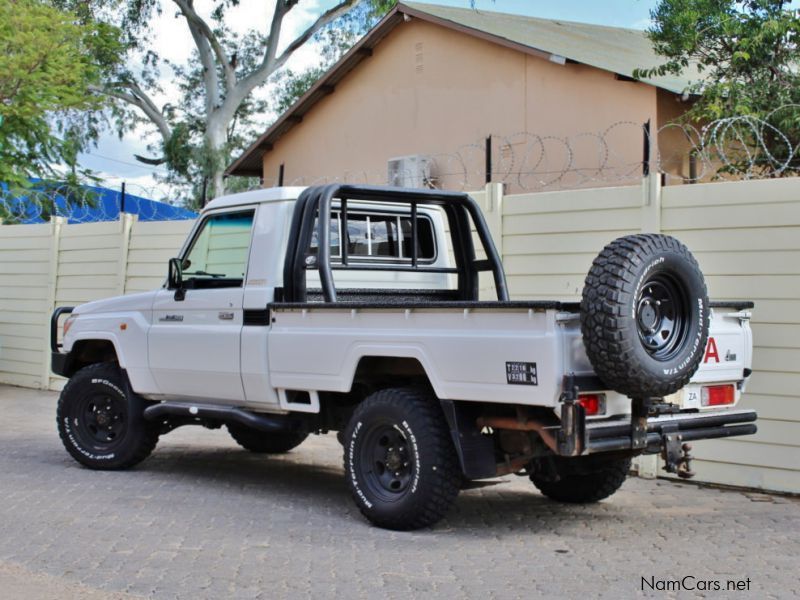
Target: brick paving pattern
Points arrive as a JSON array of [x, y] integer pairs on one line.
[[202, 518]]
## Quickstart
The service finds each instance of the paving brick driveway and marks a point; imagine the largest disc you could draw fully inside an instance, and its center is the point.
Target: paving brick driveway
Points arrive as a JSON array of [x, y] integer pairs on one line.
[[204, 519]]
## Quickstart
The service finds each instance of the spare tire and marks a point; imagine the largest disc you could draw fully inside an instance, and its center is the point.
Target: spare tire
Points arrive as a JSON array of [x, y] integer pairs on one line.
[[645, 315]]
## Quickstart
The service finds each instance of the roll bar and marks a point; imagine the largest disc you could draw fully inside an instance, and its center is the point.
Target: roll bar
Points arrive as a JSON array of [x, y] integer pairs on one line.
[[318, 201]]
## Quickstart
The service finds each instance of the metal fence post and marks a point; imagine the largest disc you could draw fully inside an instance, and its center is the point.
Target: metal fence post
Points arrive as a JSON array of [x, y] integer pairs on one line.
[[489, 159]]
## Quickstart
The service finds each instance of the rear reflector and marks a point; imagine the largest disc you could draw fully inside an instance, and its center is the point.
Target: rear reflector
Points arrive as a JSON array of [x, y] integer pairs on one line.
[[717, 395], [593, 404]]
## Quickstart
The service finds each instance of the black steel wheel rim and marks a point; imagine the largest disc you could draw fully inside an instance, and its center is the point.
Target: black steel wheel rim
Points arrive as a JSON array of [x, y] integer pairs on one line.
[[386, 464], [99, 421], [662, 316]]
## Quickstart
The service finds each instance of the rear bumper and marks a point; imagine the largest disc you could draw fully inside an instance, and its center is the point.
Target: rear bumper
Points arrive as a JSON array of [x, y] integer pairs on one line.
[[609, 436]]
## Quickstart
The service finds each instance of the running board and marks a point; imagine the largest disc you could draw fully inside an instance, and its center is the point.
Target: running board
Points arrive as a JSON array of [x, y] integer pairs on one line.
[[226, 414]]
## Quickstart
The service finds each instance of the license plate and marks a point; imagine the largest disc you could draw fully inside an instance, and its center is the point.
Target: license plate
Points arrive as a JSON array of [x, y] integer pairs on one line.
[[687, 397]]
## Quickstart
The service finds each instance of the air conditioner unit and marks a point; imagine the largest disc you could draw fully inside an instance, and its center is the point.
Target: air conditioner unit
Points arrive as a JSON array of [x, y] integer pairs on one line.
[[410, 171]]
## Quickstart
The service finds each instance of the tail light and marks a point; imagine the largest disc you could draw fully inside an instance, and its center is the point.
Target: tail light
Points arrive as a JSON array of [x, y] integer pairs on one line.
[[717, 395], [593, 404]]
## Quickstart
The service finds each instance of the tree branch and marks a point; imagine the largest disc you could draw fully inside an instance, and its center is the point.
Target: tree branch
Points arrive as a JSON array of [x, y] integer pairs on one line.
[[324, 19], [270, 64], [203, 35], [204, 49], [138, 98]]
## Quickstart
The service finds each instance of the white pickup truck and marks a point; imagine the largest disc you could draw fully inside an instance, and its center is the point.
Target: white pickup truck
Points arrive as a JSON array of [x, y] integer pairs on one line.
[[355, 309]]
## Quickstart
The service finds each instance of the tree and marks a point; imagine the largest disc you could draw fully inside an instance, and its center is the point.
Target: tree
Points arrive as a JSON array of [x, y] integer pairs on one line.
[[218, 108], [747, 52], [48, 63]]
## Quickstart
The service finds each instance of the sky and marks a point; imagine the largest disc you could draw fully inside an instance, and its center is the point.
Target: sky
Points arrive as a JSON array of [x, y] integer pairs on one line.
[[113, 158]]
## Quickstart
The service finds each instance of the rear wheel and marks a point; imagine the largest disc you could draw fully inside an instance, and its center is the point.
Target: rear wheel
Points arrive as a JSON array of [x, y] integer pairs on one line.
[[582, 480], [399, 459], [101, 421], [265, 443]]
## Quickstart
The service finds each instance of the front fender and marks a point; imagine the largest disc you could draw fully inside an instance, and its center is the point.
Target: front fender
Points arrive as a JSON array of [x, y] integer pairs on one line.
[[126, 331]]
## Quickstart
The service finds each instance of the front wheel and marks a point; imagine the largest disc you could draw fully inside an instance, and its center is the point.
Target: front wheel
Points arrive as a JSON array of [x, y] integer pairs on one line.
[[399, 459], [101, 422]]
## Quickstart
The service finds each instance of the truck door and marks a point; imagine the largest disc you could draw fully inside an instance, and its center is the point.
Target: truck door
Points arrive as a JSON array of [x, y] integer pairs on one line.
[[194, 343]]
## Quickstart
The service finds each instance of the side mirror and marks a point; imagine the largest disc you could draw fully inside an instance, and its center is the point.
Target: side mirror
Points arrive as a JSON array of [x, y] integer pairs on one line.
[[175, 279]]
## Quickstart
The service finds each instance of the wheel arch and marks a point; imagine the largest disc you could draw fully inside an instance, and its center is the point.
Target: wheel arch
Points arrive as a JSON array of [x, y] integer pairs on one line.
[[92, 350], [395, 364], [390, 370]]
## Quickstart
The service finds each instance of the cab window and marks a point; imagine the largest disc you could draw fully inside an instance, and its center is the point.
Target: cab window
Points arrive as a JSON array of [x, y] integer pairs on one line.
[[379, 236], [218, 254]]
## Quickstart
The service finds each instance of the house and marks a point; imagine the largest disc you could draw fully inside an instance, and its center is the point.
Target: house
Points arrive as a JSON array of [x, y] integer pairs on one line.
[[432, 83]]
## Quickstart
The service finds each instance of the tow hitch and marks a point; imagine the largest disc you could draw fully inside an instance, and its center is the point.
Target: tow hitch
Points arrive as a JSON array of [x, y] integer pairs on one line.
[[675, 451], [676, 456]]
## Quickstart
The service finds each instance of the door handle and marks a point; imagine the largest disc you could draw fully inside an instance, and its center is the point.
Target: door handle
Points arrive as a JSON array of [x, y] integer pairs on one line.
[[171, 318], [226, 316]]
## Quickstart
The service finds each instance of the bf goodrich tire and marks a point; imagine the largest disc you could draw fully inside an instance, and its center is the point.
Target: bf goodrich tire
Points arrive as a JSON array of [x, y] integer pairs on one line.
[[265, 443], [101, 422], [645, 315], [399, 459], [585, 479]]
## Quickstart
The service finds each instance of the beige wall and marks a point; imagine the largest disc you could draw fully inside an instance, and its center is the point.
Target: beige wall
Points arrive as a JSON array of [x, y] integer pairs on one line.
[[44, 266], [430, 90], [746, 237]]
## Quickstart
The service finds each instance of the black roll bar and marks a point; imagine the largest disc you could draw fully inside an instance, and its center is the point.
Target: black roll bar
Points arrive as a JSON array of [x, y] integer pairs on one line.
[[459, 208], [61, 310]]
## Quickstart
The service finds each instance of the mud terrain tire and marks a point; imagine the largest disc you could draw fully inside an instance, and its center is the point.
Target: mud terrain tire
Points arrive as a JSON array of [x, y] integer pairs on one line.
[[645, 315]]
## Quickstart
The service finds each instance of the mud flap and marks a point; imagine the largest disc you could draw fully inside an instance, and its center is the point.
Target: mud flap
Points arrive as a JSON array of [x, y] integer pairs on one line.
[[475, 450]]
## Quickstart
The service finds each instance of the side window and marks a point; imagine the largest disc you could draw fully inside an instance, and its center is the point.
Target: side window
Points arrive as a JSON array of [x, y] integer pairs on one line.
[[218, 255]]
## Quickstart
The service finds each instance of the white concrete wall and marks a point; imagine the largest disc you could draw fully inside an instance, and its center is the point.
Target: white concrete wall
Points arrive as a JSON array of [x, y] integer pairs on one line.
[[745, 234], [746, 237], [55, 264]]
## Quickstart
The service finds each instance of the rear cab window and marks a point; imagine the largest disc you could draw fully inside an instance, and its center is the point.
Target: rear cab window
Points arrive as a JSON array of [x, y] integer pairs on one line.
[[383, 237]]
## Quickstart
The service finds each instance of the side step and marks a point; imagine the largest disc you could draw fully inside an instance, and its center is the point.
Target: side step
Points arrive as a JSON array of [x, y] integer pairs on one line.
[[226, 414]]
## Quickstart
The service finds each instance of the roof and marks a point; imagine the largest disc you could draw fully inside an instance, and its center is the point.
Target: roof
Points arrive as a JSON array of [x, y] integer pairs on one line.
[[275, 194], [613, 49]]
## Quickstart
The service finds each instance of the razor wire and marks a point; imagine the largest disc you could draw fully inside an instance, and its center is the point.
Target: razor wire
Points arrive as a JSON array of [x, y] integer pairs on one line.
[[87, 204], [731, 148]]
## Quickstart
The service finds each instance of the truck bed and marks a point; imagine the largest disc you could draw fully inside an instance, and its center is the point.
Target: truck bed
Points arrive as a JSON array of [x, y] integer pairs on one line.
[[508, 352]]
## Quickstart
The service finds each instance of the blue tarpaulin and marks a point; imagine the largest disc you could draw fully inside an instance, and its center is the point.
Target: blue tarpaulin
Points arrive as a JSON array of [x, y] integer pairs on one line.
[[90, 204]]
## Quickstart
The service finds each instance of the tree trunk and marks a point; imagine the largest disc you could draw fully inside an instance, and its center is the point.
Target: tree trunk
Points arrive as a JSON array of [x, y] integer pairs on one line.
[[217, 182], [216, 141]]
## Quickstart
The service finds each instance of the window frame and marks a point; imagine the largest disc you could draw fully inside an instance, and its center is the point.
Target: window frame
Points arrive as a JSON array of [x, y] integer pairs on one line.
[[336, 214], [252, 210]]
